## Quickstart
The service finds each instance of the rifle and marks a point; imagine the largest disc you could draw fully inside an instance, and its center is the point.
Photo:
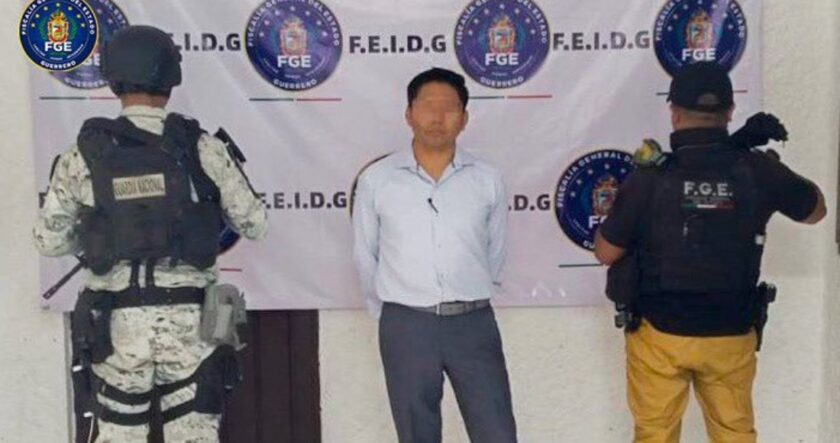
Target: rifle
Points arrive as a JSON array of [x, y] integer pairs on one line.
[[63, 280]]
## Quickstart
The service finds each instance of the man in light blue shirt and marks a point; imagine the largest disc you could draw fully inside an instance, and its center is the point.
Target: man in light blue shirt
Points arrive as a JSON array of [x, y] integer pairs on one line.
[[430, 226]]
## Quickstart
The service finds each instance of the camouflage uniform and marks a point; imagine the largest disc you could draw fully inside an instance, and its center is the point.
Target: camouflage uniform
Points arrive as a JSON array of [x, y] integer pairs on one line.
[[153, 345]]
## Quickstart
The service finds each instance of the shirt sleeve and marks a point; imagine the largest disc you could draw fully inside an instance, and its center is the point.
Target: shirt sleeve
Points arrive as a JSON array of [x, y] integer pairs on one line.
[[366, 242], [788, 192], [55, 230], [243, 210], [623, 223], [497, 227]]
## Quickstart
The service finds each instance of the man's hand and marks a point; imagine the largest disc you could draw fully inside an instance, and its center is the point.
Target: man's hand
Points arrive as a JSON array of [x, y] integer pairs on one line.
[[759, 130]]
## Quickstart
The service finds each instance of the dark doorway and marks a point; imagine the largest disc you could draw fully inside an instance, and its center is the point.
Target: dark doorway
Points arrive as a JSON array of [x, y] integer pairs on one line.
[[279, 399]]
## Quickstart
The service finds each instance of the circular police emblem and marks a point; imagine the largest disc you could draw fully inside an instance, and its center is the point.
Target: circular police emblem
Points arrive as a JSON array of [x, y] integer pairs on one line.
[[690, 31], [88, 76], [501, 43], [227, 239], [58, 35], [293, 44], [587, 191]]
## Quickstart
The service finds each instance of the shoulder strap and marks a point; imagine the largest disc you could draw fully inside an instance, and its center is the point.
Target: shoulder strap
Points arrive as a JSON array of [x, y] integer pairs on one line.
[[99, 133], [744, 173], [121, 127], [180, 139]]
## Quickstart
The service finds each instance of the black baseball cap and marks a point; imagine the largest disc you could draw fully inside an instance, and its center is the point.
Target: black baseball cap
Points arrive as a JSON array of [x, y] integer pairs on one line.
[[703, 87]]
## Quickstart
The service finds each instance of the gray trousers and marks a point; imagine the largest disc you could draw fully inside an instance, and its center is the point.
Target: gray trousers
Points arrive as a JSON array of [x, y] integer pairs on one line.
[[417, 348]]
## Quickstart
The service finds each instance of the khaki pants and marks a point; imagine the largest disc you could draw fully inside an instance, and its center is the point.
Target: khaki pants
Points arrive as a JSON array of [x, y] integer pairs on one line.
[[660, 369], [156, 345]]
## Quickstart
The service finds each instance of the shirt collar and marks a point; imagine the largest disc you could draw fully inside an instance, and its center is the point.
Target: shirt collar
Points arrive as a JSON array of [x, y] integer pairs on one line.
[[144, 111], [404, 159]]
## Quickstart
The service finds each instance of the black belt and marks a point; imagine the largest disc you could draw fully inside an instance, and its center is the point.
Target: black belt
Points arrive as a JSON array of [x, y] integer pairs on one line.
[[451, 308], [152, 296]]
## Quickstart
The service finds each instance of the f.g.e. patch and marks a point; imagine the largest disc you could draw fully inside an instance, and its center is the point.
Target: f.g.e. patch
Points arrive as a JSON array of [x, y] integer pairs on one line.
[[708, 195]]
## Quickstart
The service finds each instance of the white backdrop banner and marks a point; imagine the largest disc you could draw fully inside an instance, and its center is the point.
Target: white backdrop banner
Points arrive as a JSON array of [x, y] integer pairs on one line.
[[312, 90]]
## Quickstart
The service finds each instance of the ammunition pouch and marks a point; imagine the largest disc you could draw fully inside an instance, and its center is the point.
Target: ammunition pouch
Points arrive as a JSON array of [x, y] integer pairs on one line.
[[627, 318], [224, 317], [97, 242]]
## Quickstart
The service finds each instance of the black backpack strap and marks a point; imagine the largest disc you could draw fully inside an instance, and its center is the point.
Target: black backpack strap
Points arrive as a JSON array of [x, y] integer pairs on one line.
[[93, 141], [180, 139]]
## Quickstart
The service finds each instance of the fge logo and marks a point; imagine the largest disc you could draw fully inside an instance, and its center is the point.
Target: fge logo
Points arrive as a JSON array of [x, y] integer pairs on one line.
[[587, 191], [88, 76], [690, 31], [501, 43], [501, 37], [293, 44], [58, 35], [60, 46]]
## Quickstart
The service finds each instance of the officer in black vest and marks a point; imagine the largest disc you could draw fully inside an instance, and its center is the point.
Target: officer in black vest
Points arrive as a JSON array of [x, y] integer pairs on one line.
[[142, 199], [694, 224]]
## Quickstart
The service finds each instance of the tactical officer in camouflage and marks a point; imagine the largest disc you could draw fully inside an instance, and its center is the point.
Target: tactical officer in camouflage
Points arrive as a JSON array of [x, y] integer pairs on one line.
[[143, 197], [693, 223]]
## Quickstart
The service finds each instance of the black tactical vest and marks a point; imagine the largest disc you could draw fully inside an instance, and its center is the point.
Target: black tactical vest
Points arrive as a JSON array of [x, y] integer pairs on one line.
[[152, 197], [704, 232]]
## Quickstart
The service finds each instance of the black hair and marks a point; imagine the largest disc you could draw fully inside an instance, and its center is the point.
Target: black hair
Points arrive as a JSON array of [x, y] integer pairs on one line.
[[439, 75], [120, 88]]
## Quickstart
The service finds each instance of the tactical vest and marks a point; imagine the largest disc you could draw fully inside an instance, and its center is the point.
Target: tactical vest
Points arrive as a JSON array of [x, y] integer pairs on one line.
[[152, 198], [704, 232]]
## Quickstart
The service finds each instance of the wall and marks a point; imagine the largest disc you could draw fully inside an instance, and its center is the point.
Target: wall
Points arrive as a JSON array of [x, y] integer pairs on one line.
[[830, 418], [33, 397], [566, 364]]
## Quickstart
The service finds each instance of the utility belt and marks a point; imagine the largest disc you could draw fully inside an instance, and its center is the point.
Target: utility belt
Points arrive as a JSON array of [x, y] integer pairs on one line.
[[629, 318], [150, 296], [223, 316]]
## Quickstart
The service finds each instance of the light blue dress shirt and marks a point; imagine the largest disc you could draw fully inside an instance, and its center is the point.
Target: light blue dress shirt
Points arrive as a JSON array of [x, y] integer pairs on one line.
[[419, 242]]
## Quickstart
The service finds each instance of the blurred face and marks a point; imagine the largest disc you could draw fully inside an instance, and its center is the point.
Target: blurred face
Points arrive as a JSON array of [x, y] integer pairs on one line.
[[436, 116]]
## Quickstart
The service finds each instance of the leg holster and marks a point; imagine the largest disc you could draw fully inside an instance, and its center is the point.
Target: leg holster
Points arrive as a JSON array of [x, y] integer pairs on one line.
[[90, 332], [90, 326], [217, 375]]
